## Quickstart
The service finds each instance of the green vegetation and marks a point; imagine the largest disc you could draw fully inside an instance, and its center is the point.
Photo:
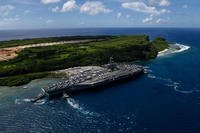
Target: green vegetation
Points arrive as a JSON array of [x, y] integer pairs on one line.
[[44, 59], [160, 44], [21, 79], [13, 43]]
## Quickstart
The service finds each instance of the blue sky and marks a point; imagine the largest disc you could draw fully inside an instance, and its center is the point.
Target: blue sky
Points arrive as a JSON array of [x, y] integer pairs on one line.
[[35, 14]]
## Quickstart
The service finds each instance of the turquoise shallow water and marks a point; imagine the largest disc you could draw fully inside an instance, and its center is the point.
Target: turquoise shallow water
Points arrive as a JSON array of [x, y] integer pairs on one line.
[[165, 100]]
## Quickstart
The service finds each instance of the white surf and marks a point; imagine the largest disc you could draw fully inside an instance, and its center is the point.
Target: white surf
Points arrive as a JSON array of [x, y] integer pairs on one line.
[[174, 48]]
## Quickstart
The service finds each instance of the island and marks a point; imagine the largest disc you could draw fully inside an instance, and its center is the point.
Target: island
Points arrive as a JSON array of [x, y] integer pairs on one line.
[[22, 61]]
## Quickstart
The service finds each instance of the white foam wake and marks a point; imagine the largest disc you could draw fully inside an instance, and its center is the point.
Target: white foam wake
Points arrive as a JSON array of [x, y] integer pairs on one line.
[[176, 86], [40, 102], [19, 101], [174, 48], [26, 100], [75, 105], [182, 91]]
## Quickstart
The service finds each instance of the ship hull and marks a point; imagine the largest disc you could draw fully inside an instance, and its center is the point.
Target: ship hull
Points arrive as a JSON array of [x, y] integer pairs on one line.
[[95, 86]]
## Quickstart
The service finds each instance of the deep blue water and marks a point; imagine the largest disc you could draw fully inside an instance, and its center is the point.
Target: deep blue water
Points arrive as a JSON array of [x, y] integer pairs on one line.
[[166, 100]]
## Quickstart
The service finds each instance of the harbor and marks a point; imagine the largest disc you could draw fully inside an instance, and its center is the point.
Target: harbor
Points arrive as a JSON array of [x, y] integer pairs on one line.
[[88, 77]]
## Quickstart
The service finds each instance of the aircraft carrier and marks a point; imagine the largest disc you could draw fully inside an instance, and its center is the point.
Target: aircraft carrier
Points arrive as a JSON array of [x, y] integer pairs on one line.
[[82, 78]]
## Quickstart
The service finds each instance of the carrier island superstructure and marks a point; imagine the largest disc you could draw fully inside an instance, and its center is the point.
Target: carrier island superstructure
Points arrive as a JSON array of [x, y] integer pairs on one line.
[[91, 77]]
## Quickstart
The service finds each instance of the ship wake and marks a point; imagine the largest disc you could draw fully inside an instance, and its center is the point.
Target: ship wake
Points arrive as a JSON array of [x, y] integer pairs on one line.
[[170, 83], [20, 101], [75, 105]]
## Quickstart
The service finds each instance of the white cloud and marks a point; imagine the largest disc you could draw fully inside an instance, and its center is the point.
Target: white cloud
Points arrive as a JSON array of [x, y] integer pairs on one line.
[[25, 2], [94, 7], [69, 5], [9, 21], [160, 20], [160, 2], [55, 9], [151, 20], [49, 1], [140, 6], [119, 14], [6, 9], [163, 11], [185, 6], [148, 19], [49, 21]]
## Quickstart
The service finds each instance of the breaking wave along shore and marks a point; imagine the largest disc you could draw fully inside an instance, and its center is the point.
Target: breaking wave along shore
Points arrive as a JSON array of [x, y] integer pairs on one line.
[[174, 48]]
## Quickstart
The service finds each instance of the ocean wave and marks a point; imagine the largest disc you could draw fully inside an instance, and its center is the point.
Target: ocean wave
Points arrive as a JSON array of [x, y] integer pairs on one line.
[[174, 48], [75, 105]]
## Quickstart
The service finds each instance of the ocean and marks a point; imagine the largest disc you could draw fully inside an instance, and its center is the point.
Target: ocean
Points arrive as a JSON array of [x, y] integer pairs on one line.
[[166, 100]]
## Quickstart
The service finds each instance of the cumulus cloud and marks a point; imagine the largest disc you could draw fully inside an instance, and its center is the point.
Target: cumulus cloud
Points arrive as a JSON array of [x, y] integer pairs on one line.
[[151, 19], [119, 14], [69, 6], [6, 9], [160, 2], [140, 6], [160, 20], [55, 9], [49, 1], [163, 11], [49, 21], [94, 7], [148, 19]]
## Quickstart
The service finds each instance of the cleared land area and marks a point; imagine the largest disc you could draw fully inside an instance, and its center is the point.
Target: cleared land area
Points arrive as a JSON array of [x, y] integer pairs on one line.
[[12, 52]]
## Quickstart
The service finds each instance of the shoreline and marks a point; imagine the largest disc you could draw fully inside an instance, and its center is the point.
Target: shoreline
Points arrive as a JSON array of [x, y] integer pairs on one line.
[[174, 48]]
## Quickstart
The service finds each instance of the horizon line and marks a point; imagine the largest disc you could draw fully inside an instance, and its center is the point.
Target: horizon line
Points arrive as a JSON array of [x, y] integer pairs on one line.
[[100, 28]]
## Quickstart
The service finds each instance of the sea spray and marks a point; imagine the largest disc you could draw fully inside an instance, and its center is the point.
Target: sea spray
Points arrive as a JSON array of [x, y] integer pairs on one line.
[[174, 48]]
